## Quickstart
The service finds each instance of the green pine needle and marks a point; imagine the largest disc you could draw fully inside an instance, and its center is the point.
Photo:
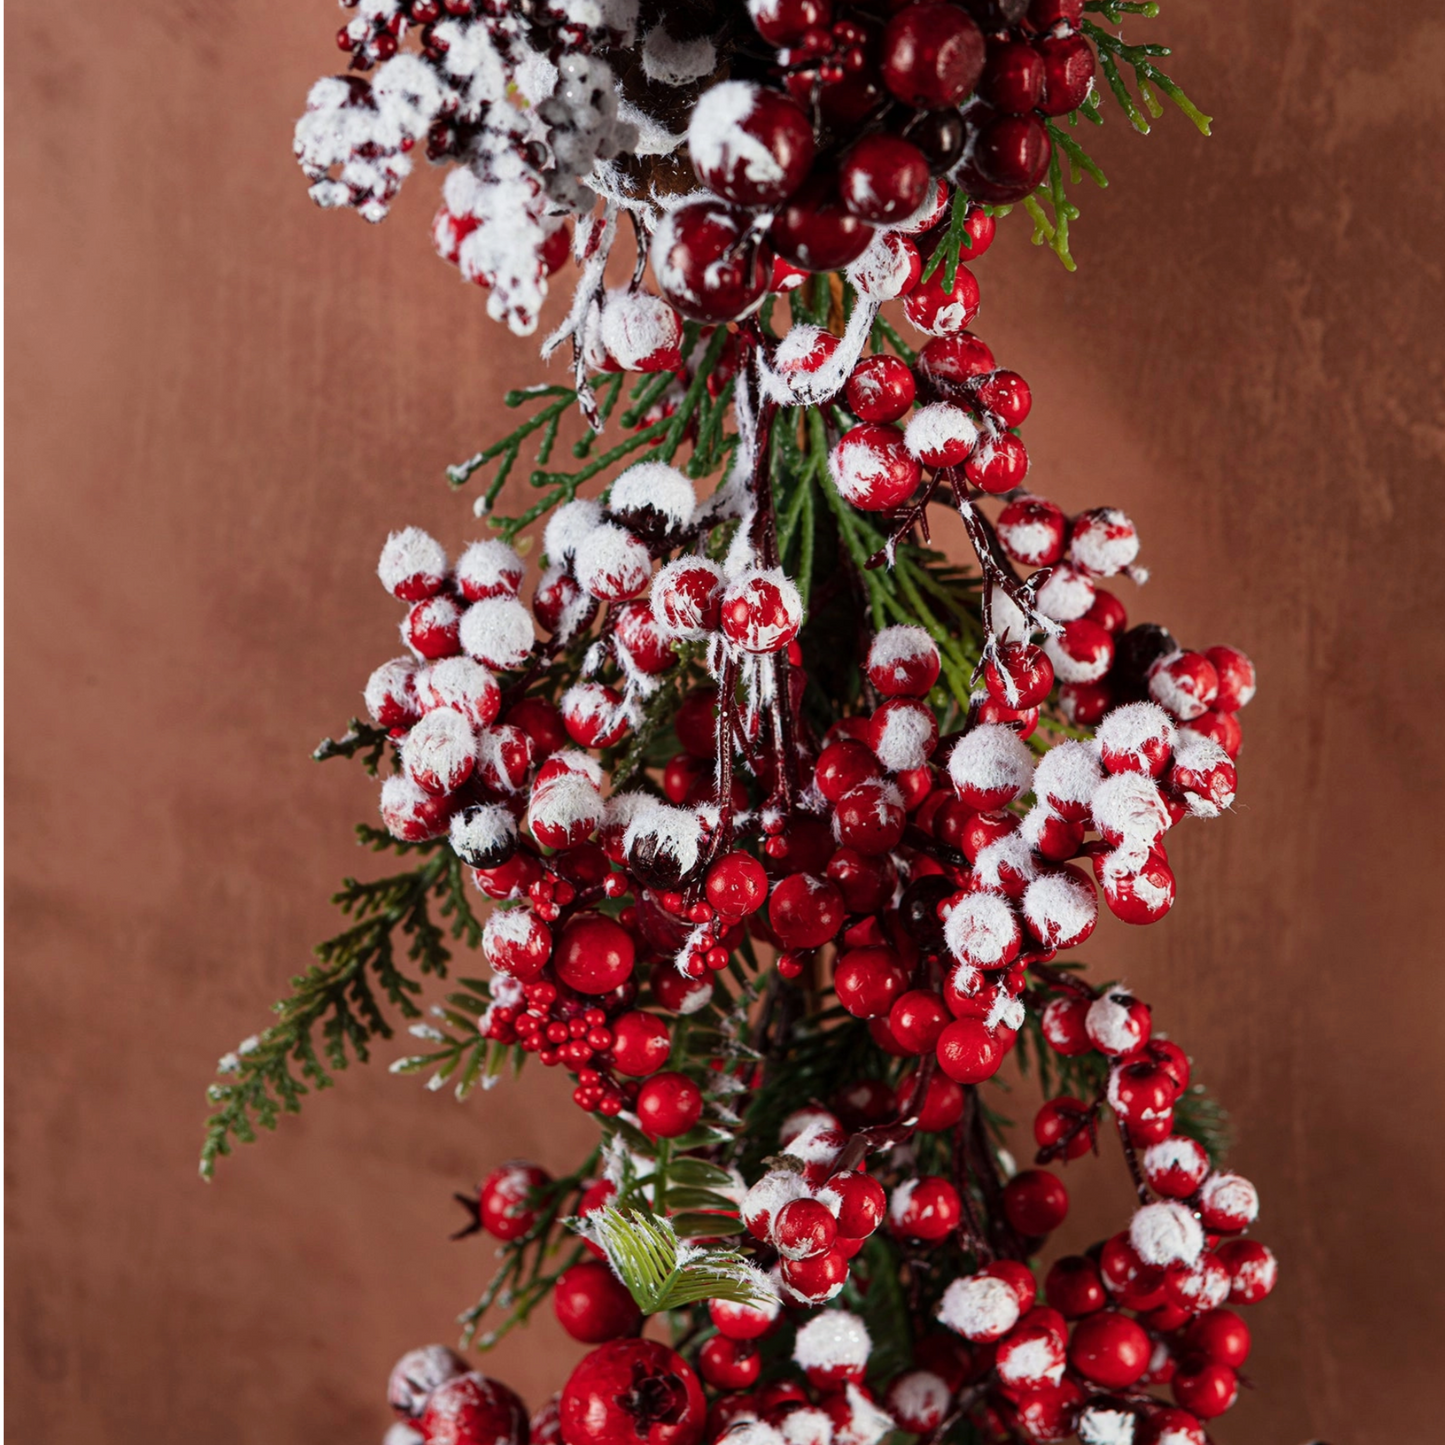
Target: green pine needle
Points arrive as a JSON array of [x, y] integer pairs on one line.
[[661, 1272]]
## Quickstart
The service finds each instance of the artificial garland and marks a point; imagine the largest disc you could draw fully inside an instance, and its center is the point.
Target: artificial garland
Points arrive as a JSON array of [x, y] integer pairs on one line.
[[789, 822]]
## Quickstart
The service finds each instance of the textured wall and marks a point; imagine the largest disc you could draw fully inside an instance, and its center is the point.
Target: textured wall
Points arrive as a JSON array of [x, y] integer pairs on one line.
[[219, 401]]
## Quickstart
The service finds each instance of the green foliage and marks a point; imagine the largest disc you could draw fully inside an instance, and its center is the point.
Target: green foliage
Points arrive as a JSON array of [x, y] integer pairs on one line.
[[1050, 207], [362, 740], [661, 1272], [340, 1004]]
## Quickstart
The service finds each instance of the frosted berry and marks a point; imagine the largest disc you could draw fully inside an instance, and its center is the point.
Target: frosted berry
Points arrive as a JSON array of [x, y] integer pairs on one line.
[[594, 955], [888, 268], [633, 1392], [636, 629], [998, 464], [762, 611], [1142, 896], [743, 1321], [708, 264], [505, 1200], [842, 766], [489, 569], [1228, 1203], [473, 1410], [1235, 673], [749, 144], [497, 631], [933, 55], [517, 943], [927, 1208], [870, 818], [861, 1203], [1252, 1270], [432, 628], [880, 389], [883, 178], [940, 434], [593, 1305], [903, 662], [803, 1228], [417, 1374], [947, 365], [918, 1400], [903, 733], [1030, 1356], [942, 312], [687, 597], [413, 565], [1184, 685], [818, 1279], [1033, 531], [1019, 675]]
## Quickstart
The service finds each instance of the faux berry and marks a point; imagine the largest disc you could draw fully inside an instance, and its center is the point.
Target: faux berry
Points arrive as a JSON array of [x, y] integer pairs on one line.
[[1033, 531], [641, 1043], [867, 981], [668, 1105], [940, 310], [417, 1374], [873, 469], [1066, 65], [1205, 1388], [1064, 1124], [1010, 156], [916, 1019], [473, 1410], [728, 1364], [815, 230], [707, 262], [970, 1052], [883, 178], [918, 1400], [880, 389], [861, 1203], [743, 1321], [1074, 1288], [1252, 1270], [1236, 678], [998, 465], [1184, 685], [633, 1392], [870, 817], [927, 1208], [593, 1305], [762, 611], [1035, 1202], [594, 955], [817, 1279], [933, 55], [749, 144], [1013, 77], [803, 1228], [1019, 675], [413, 565], [505, 1199], [1110, 1350]]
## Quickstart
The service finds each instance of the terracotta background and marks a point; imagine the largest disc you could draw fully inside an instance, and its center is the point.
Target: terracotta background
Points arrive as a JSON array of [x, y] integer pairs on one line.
[[221, 399]]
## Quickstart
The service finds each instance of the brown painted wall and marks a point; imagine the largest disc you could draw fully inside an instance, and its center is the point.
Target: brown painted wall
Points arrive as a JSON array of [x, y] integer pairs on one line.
[[219, 402]]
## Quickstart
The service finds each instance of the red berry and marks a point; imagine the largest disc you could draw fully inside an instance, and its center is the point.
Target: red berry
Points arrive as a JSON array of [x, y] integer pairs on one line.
[[815, 230], [868, 980], [708, 264], [998, 465], [668, 1105], [942, 1104], [1019, 675], [762, 611], [1140, 897], [786, 22], [1110, 1349], [883, 178], [916, 1020], [1118, 1023], [970, 1052], [433, 628], [948, 364], [473, 1410], [413, 565], [1236, 679], [1228, 1203], [919, 1400], [842, 766], [749, 144], [1064, 1118], [1062, 1022], [1205, 1388], [728, 1364], [903, 733], [593, 1305], [1010, 156], [927, 1208], [636, 629], [1013, 77], [417, 1374], [641, 1043], [942, 312], [1035, 1202], [861, 1203], [873, 469], [1005, 395], [1067, 73], [743, 1321], [805, 911], [866, 883], [737, 885], [594, 955], [1176, 1167], [803, 1228], [1184, 684], [1221, 1336], [1073, 1287], [504, 1200], [870, 817], [880, 389], [817, 1279], [932, 55], [633, 1392], [903, 662]]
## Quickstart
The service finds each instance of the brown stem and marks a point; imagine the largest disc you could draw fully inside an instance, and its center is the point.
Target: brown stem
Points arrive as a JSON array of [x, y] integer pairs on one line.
[[1066, 982], [1135, 1172]]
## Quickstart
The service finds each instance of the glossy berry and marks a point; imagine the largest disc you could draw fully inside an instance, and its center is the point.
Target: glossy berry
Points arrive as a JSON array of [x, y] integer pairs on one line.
[[737, 885], [707, 264], [868, 981], [880, 388], [1035, 1202], [1205, 1388], [1066, 64], [815, 230], [743, 1321], [473, 1410], [861, 1203], [762, 611], [803, 1228], [1013, 77], [632, 1392], [932, 55], [505, 1200], [728, 1364], [970, 1052], [1110, 1350], [1064, 1122], [916, 1019], [594, 955], [927, 1208], [998, 465], [641, 1043], [668, 1105], [1019, 675], [805, 911], [593, 1305], [816, 1279], [940, 310], [1074, 1288], [883, 178], [749, 144]]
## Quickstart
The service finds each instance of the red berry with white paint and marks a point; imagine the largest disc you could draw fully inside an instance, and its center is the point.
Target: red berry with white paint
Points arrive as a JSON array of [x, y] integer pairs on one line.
[[880, 389], [749, 144], [762, 611], [873, 469]]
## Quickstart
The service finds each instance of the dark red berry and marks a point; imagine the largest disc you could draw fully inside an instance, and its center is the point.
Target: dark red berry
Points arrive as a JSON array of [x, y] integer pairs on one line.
[[932, 55], [883, 178]]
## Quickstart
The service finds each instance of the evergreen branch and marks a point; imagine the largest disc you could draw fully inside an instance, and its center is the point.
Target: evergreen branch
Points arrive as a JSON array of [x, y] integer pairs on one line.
[[950, 249], [660, 1271], [339, 1005], [1147, 75], [362, 739]]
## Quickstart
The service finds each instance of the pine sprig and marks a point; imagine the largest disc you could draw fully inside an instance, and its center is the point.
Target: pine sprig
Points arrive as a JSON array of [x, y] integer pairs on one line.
[[663, 1273], [361, 739], [341, 1004]]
